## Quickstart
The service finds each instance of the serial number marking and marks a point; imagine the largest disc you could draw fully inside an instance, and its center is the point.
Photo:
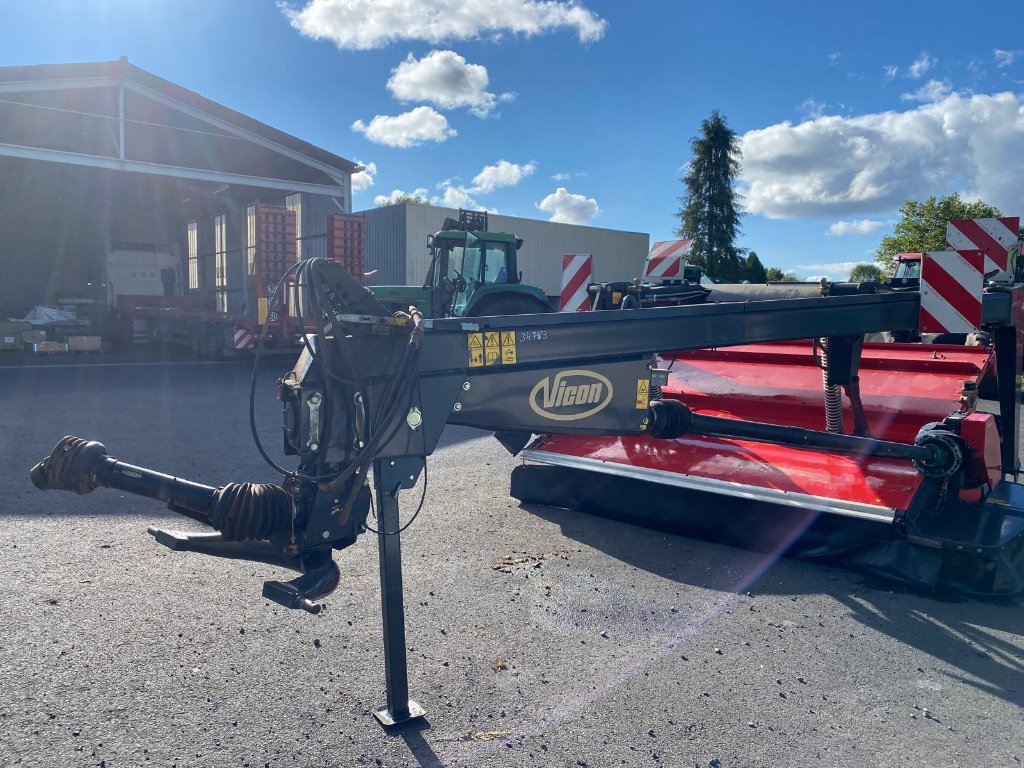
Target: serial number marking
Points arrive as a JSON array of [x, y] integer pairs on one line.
[[533, 335]]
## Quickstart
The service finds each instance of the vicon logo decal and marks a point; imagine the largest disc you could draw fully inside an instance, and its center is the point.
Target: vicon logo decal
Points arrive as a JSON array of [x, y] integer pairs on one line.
[[571, 395]]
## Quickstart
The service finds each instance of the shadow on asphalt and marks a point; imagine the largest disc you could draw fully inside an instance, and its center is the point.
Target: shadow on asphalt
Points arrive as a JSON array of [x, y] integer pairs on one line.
[[961, 631], [455, 435], [412, 735]]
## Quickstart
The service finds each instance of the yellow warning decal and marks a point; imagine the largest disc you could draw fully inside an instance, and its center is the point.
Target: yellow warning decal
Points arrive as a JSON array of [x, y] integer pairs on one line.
[[508, 347], [492, 348], [476, 349], [643, 392], [616, 297]]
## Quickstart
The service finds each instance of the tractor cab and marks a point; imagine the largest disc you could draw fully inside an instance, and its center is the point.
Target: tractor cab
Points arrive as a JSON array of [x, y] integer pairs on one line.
[[472, 272], [908, 266], [463, 263]]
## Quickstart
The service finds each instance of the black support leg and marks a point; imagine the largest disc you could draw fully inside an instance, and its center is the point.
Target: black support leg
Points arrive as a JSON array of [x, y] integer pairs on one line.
[[1007, 370], [399, 708]]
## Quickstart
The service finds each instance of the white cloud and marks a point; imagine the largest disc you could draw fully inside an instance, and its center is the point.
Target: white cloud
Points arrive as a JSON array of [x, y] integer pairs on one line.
[[567, 208], [445, 79], [1005, 58], [491, 177], [833, 58], [501, 174], [891, 70], [830, 270], [398, 193], [454, 196], [933, 90], [855, 227], [365, 24], [921, 64], [364, 179], [567, 176], [834, 166], [409, 129], [813, 108]]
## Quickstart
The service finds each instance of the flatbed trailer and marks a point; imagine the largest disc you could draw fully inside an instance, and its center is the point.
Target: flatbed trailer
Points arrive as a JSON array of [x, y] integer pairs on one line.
[[182, 321]]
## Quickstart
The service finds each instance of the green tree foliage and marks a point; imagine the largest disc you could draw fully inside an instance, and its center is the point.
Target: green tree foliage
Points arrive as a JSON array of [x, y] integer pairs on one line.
[[922, 226], [710, 212], [776, 275], [404, 198], [753, 269], [866, 273]]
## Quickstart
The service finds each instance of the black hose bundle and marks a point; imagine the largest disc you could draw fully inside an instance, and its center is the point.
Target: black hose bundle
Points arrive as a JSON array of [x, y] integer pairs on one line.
[[313, 301]]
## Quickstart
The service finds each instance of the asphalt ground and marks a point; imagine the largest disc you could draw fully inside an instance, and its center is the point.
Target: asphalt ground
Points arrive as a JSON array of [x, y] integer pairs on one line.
[[537, 636]]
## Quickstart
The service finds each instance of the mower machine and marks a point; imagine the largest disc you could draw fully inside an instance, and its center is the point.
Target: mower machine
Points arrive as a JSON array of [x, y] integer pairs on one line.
[[372, 391]]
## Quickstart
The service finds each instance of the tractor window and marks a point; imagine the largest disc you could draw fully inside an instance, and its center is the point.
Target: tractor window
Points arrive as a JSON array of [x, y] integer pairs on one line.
[[465, 262], [495, 263], [908, 269], [464, 272]]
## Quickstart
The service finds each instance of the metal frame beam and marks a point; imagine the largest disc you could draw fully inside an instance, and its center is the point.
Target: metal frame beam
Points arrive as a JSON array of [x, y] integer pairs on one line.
[[173, 171], [235, 130], [27, 86], [584, 336]]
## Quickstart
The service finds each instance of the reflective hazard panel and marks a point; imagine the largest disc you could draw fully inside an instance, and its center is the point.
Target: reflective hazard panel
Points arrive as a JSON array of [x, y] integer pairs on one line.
[[643, 393], [475, 341], [508, 347]]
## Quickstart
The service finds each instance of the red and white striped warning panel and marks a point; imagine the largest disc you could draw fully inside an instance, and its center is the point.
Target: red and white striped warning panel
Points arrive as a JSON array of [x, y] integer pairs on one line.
[[951, 286], [666, 258], [243, 339], [997, 239], [577, 274]]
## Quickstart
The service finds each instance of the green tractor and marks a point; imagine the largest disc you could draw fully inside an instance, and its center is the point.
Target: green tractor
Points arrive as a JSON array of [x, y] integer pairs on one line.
[[473, 273]]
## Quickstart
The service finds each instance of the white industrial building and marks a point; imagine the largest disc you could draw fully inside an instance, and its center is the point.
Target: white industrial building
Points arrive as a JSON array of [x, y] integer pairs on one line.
[[396, 246]]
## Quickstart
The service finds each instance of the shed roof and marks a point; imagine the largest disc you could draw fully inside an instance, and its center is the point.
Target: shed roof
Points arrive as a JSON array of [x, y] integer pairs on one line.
[[115, 115]]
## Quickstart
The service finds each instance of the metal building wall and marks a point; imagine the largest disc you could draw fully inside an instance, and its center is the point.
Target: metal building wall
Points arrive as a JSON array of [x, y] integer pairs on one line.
[[617, 255], [238, 276], [311, 212], [386, 245]]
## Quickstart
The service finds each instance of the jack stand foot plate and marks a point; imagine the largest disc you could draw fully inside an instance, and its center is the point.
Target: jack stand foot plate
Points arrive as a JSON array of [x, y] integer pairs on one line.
[[386, 719]]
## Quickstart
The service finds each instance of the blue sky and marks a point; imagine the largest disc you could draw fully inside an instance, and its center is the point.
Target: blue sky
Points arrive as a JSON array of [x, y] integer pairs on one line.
[[583, 111]]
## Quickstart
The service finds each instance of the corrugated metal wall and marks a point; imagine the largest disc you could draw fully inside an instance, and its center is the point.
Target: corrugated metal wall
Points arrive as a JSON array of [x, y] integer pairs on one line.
[[617, 255], [386, 245], [311, 212]]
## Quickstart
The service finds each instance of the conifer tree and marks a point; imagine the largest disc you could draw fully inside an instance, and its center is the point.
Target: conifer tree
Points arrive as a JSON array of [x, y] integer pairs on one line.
[[710, 212]]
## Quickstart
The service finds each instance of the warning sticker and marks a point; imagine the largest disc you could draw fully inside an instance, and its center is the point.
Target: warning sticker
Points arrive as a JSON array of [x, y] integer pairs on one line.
[[476, 349], [508, 347], [643, 393], [492, 348]]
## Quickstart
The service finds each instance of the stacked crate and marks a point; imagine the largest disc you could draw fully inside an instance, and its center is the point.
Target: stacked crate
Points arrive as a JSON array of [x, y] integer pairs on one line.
[[11, 334], [275, 252], [346, 242]]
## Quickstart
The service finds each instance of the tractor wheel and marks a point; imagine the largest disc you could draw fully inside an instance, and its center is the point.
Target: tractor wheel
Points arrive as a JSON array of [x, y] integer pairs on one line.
[[509, 305]]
